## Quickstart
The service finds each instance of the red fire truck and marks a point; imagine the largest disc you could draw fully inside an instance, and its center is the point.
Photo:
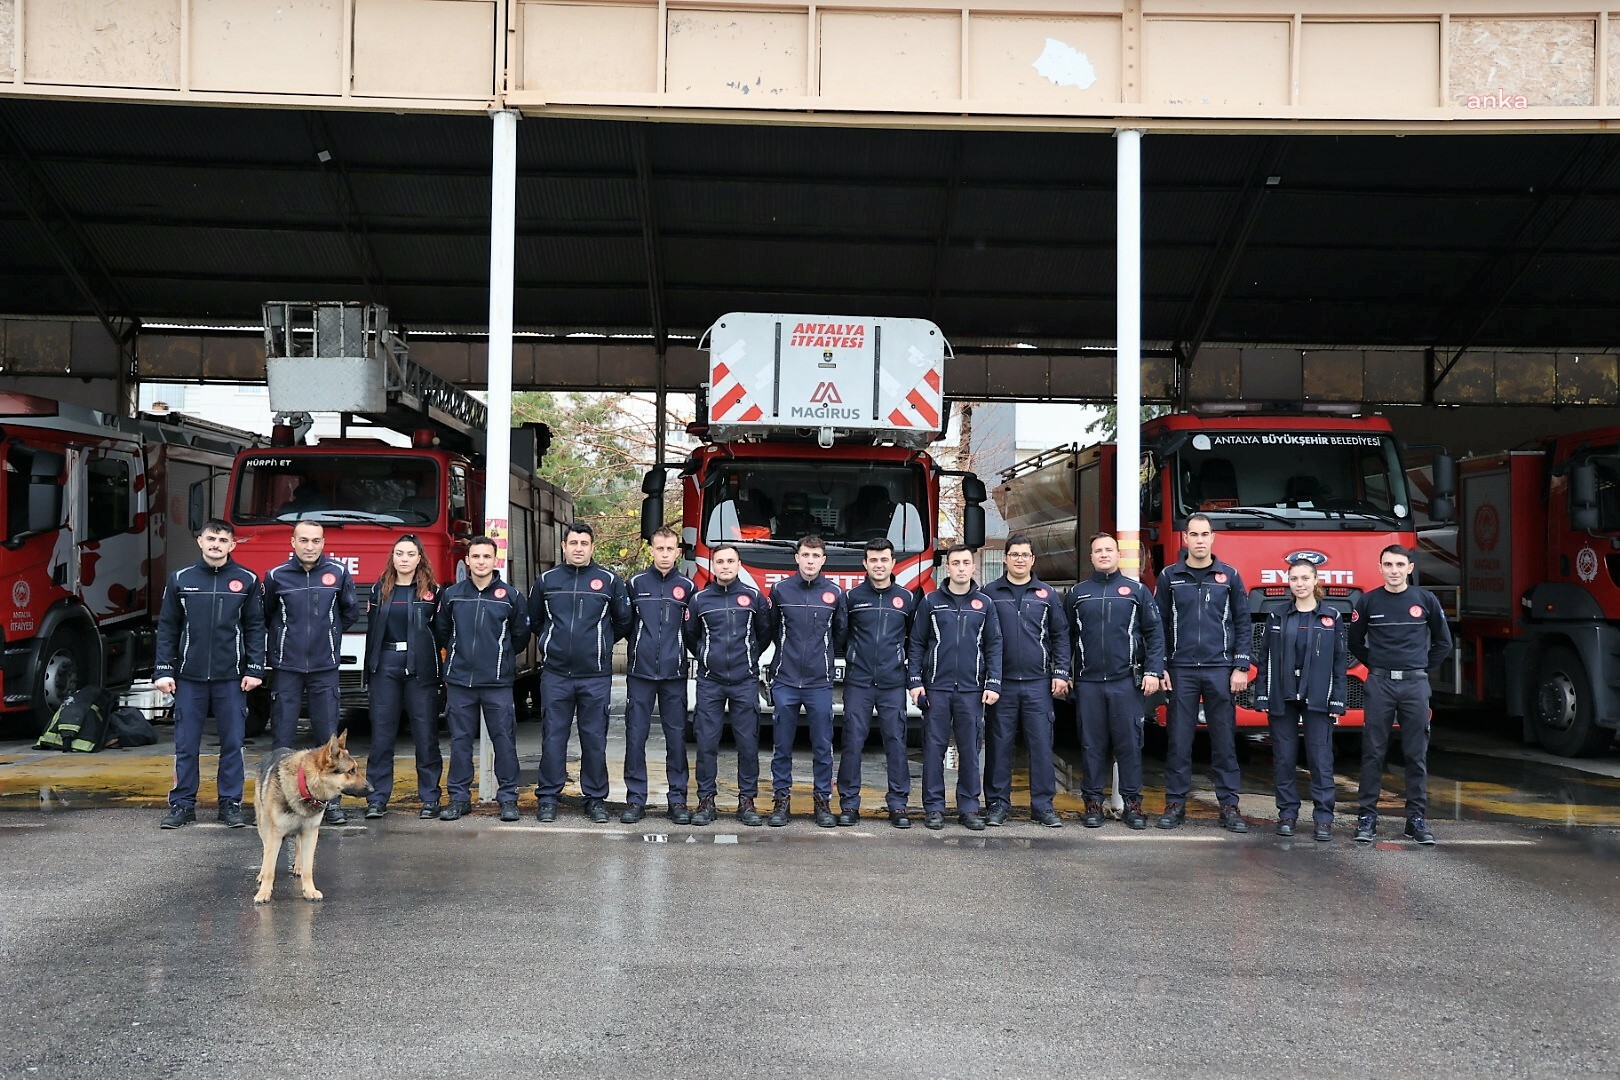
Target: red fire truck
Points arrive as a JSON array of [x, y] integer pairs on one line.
[[1538, 539], [1276, 487], [815, 423], [98, 510], [367, 492]]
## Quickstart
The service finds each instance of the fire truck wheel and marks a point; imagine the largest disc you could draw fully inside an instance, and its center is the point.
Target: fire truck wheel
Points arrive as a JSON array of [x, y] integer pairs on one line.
[[258, 711], [68, 660], [1563, 707]]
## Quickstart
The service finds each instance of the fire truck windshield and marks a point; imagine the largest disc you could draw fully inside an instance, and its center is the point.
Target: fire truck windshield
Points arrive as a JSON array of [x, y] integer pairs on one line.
[[385, 489], [846, 503], [1299, 478]]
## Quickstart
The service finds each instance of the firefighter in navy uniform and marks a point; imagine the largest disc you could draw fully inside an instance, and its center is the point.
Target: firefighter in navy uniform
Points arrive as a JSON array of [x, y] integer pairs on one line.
[[482, 623], [1205, 610], [210, 653], [726, 628], [403, 674], [576, 611], [309, 601], [953, 669], [1034, 668], [879, 612], [1399, 631], [807, 613], [1118, 658], [655, 670], [1301, 665]]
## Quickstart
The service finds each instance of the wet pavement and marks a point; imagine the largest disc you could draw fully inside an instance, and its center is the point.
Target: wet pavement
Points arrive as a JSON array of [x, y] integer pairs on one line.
[[474, 948]]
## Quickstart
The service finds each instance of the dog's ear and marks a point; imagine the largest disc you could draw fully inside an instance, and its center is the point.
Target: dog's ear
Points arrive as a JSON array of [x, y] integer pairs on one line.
[[340, 741]]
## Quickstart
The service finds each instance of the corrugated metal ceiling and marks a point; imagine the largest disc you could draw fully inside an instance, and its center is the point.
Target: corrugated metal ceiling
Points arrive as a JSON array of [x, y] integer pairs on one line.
[[1000, 236]]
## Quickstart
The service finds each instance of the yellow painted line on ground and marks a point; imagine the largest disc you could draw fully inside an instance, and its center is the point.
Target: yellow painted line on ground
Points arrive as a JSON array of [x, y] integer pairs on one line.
[[1505, 801]]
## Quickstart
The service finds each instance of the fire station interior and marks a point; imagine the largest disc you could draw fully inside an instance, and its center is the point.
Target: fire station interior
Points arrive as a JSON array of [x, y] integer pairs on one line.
[[1487, 257]]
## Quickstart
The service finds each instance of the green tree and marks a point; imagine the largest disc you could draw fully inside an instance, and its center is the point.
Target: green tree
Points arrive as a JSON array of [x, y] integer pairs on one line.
[[599, 444], [1105, 428]]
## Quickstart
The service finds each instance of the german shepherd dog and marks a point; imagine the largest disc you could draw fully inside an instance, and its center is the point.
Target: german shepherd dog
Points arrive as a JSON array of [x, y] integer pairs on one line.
[[293, 789]]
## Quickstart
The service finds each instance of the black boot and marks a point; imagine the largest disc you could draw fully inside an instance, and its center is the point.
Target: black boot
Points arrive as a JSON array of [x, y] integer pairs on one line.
[[1094, 814], [823, 813], [781, 811], [1134, 818]]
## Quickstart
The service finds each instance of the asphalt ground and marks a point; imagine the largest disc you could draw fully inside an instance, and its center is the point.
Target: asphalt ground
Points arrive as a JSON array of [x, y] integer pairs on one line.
[[476, 948]]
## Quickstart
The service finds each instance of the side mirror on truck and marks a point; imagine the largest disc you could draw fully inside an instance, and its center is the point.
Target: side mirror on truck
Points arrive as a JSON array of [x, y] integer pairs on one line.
[[1443, 502], [1583, 499], [652, 505], [973, 496]]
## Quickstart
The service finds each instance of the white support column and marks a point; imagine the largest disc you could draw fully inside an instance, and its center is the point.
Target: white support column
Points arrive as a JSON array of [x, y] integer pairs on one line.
[[1128, 365], [498, 448]]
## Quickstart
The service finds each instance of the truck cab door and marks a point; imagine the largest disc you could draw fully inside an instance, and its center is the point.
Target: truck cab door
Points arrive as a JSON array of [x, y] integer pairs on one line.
[[110, 563]]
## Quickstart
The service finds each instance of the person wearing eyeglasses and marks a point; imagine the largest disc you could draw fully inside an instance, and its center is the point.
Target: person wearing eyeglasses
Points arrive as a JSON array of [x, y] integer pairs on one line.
[[309, 601], [1034, 668], [403, 673]]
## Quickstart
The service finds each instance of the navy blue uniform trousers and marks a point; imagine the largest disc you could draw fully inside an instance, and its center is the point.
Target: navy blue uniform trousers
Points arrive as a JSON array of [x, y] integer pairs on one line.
[[640, 694], [1388, 702], [709, 719], [287, 689], [1110, 716], [1025, 705], [392, 689], [890, 704], [1213, 687], [462, 707], [947, 713], [1285, 732], [817, 702], [194, 700], [561, 700]]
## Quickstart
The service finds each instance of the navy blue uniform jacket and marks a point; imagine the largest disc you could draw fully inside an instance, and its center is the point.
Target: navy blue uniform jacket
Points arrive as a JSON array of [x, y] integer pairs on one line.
[[955, 642], [422, 660], [879, 624], [658, 601], [1034, 630], [211, 624], [1116, 628], [1206, 616], [577, 613], [810, 626], [1327, 658], [483, 629], [306, 612], [726, 629]]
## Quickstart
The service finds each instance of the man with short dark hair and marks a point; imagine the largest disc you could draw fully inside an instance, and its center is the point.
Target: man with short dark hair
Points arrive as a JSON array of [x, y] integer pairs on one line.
[[655, 670], [1034, 667], [1399, 631], [726, 627], [309, 602], [483, 627], [808, 615], [210, 653], [577, 610], [1118, 661], [953, 667], [1205, 610], [879, 614]]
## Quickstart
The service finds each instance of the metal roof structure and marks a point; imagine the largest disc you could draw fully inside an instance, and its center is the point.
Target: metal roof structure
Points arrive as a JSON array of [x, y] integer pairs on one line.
[[182, 214]]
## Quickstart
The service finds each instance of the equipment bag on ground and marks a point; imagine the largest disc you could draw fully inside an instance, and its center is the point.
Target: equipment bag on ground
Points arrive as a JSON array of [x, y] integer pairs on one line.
[[81, 723]]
